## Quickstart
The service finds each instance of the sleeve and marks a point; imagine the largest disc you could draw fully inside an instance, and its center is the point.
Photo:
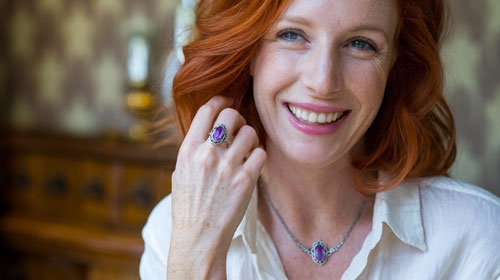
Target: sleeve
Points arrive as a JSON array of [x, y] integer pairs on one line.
[[156, 235]]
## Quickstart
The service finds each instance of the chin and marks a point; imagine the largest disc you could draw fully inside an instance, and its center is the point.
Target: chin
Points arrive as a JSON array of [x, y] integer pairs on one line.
[[313, 156]]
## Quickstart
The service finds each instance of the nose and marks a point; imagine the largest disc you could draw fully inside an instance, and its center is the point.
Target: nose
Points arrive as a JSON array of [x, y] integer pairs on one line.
[[321, 72]]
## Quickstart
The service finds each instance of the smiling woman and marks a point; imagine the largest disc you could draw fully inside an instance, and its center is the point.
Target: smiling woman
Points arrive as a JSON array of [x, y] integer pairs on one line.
[[336, 122]]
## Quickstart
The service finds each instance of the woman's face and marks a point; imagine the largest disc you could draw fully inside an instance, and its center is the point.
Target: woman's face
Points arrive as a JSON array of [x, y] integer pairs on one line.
[[319, 76]]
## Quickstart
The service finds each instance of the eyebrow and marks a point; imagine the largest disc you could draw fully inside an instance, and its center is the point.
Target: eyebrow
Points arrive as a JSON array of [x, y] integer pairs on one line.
[[373, 28], [298, 19]]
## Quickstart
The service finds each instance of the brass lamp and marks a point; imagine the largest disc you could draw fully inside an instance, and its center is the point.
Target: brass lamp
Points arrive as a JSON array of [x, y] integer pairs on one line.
[[139, 99]]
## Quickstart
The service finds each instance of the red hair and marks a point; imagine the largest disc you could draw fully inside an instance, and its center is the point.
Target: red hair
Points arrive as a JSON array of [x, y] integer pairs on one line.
[[413, 134]]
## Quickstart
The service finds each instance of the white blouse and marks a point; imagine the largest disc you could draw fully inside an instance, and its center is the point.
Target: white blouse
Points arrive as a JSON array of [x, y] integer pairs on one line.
[[437, 228]]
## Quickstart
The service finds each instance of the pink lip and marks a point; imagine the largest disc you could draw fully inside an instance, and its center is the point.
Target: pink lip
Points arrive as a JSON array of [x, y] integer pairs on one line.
[[317, 129]]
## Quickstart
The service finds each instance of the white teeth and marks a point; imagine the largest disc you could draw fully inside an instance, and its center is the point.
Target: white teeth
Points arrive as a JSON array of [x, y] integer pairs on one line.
[[314, 117], [329, 118], [304, 115], [322, 118]]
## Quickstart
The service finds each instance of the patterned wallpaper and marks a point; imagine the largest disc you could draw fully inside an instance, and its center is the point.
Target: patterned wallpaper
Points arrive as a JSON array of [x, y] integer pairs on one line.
[[472, 60], [63, 63], [62, 67]]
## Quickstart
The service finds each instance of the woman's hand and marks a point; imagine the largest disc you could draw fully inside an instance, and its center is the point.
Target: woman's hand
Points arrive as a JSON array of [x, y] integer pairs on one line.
[[211, 188]]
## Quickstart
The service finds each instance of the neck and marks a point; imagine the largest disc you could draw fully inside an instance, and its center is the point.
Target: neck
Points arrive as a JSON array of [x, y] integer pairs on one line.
[[315, 200]]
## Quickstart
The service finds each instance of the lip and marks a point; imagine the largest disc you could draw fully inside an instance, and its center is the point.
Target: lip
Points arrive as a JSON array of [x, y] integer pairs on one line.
[[312, 129]]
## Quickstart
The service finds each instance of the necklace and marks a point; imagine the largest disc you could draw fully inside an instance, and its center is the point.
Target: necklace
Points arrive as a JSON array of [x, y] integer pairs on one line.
[[319, 251]]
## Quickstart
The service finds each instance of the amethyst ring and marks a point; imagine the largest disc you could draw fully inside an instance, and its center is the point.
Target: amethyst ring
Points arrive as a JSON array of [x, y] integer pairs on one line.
[[219, 135]]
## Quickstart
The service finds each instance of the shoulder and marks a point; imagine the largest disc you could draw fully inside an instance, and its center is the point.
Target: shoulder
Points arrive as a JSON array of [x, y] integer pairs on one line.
[[459, 198], [459, 190], [156, 234], [462, 221]]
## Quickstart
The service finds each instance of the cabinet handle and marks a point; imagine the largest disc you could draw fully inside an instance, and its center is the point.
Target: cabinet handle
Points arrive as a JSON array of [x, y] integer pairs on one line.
[[20, 180], [57, 185], [141, 194], [94, 190]]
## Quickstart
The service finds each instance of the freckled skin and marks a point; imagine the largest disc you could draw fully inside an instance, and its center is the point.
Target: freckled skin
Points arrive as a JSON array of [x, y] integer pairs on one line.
[[323, 69]]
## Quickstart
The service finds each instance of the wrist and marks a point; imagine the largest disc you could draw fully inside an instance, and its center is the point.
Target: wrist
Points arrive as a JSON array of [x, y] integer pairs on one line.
[[203, 258], [186, 267]]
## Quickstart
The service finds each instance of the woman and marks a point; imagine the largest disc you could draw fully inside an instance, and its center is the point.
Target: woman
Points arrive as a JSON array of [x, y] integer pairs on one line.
[[312, 130]]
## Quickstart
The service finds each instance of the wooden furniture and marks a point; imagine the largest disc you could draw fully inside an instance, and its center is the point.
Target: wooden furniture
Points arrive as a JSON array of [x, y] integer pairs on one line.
[[74, 208]]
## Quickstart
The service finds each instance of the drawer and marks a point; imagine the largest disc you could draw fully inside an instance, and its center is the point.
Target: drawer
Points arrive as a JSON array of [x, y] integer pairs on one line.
[[23, 178], [97, 192], [142, 189], [58, 194]]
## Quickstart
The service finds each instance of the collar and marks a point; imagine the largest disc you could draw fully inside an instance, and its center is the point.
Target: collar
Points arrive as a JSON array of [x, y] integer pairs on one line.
[[400, 209]]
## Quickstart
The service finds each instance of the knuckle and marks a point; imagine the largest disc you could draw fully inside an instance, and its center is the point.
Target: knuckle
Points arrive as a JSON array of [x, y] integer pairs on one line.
[[244, 177], [186, 149], [207, 157], [233, 157], [230, 156], [250, 134], [207, 109], [232, 114], [225, 169], [215, 99], [249, 131]]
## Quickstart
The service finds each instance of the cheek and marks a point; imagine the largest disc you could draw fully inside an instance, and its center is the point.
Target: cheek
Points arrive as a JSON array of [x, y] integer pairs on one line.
[[367, 79], [273, 70]]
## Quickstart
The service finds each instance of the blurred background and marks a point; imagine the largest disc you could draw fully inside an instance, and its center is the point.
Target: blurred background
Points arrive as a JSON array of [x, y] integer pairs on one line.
[[79, 80]]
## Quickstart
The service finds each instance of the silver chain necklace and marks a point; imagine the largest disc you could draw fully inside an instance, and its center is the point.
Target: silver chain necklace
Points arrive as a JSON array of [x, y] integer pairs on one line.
[[319, 251]]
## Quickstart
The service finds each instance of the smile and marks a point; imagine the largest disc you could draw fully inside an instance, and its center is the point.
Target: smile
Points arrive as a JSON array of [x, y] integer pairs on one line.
[[317, 118]]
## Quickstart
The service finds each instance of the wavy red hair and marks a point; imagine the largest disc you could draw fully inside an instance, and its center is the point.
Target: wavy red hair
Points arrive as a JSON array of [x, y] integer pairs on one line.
[[413, 134]]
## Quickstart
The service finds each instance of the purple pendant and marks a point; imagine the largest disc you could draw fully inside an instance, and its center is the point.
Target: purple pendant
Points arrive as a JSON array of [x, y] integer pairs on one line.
[[319, 252]]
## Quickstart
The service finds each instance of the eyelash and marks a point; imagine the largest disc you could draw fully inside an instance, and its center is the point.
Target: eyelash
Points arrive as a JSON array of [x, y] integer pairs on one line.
[[282, 35], [369, 45]]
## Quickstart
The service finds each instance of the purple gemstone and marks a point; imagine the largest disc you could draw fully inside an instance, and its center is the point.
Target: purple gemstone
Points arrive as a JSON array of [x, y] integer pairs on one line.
[[319, 252], [218, 133]]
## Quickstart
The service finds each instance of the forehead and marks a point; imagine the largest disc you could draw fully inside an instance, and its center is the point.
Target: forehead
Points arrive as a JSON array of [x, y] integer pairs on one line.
[[345, 13]]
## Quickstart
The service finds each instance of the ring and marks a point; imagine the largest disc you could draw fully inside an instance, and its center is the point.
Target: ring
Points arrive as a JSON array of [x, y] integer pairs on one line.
[[219, 135]]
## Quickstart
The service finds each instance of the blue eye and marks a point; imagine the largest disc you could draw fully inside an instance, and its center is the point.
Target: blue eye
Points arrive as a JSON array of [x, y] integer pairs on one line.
[[289, 35], [362, 45]]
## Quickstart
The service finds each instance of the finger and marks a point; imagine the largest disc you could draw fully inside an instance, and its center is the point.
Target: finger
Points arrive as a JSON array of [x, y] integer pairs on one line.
[[243, 144], [255, 162], [203, 120], [232, 120]]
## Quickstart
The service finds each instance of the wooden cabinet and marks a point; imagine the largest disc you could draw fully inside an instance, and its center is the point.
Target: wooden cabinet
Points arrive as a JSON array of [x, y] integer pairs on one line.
[[74, 208]]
